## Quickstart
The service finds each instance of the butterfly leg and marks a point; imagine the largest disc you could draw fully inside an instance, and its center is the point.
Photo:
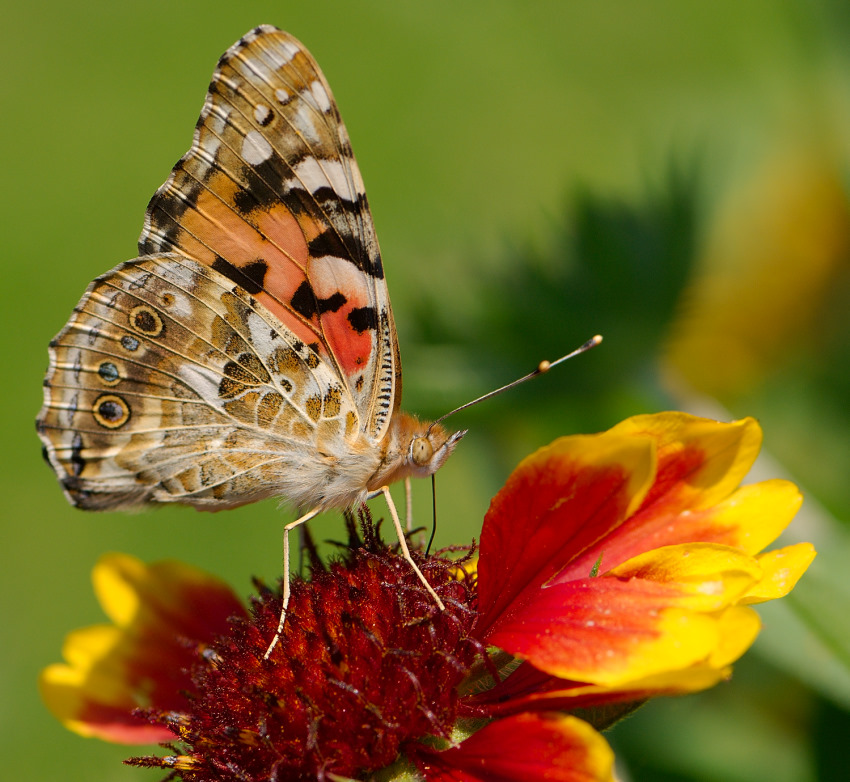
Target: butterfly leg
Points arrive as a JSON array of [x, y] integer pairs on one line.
[[403, 542], [287, 591], [408, 504]]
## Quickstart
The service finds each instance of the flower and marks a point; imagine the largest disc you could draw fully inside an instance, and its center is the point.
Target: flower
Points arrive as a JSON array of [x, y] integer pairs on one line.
[[775, 256], [612, 568], [142, 658]]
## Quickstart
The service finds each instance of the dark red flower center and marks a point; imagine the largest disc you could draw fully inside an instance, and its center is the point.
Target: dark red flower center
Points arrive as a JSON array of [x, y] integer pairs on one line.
[[366, 663]]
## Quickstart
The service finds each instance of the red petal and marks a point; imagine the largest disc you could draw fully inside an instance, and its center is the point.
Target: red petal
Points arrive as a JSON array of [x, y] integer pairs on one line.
[[557, 502], [608, 631], [657, 613], [545, 746], [749, 519], [589, 626]]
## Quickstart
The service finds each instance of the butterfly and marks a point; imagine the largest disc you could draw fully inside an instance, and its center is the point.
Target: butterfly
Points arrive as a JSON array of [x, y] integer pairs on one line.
[[250, 350]]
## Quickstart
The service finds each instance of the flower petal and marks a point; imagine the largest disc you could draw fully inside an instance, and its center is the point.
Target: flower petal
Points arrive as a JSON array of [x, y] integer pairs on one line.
[[709, 577], [755, 515], [738, 627], [545, 746], [556, 503], [166, 594], [655, 614], [529, 689], [782, 570], [87, 698], [749, 519], [700, 461], [607, 632], [162, 612]]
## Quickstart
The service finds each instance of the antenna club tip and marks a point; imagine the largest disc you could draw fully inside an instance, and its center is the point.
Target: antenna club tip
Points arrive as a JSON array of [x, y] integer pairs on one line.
[[543, 367]]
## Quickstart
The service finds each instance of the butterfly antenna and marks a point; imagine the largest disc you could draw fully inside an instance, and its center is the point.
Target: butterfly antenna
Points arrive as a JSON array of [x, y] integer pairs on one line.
[[543, 367]]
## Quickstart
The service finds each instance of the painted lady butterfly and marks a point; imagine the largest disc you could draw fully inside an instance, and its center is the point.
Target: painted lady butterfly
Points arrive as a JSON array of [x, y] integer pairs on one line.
[[250, 350]]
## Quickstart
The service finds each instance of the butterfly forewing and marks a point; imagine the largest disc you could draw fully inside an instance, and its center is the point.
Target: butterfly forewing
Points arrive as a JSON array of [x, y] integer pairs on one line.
[[270, 196]]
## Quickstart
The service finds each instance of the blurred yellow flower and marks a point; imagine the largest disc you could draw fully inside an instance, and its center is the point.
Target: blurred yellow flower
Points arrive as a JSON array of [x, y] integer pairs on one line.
[[776, 248]]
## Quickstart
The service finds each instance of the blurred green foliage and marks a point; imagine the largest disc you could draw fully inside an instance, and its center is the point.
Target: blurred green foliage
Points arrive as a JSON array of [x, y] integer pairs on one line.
[[538, 173]]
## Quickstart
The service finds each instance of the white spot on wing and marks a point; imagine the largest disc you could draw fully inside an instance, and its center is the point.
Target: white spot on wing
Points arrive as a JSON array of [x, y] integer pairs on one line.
[[203, 381], [320, 96], [180, 307], [262, 113], [283, 97], [285, 52], [255, 148], [303, 121], [329, 274], [315, 173], [259, 331]]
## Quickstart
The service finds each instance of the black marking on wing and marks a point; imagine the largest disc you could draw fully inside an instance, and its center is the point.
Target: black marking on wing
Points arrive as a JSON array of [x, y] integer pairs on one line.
[[250, 277], [263, 186], [77, 460], [327, 243], [305, 302], [363, 318]]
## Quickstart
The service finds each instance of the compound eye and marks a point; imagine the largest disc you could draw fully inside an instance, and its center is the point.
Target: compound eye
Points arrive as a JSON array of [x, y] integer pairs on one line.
[[421, 451]]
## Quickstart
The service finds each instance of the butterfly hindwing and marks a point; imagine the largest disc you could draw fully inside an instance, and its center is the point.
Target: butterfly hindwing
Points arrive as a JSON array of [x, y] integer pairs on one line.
[[270, 196], [171, 383]]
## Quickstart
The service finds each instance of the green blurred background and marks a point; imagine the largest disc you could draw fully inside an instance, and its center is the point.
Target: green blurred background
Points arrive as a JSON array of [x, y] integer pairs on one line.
[[672, 175]]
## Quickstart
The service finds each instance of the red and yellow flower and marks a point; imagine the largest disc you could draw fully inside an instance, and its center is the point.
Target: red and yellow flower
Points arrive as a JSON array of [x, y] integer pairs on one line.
[[612, 568]]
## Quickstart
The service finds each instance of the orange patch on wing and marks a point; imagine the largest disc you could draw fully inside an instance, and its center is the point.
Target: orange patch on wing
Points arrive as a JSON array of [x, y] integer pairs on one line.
[[353, 349], [214, 229], [286, 238], [221, 231]]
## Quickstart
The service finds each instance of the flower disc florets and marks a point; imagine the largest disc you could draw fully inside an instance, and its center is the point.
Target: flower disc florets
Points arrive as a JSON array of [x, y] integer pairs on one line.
[[360, 670]]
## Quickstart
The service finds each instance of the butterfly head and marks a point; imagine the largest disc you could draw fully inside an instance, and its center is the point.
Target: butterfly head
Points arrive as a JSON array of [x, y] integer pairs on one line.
[[413, 448], [429, 448]]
